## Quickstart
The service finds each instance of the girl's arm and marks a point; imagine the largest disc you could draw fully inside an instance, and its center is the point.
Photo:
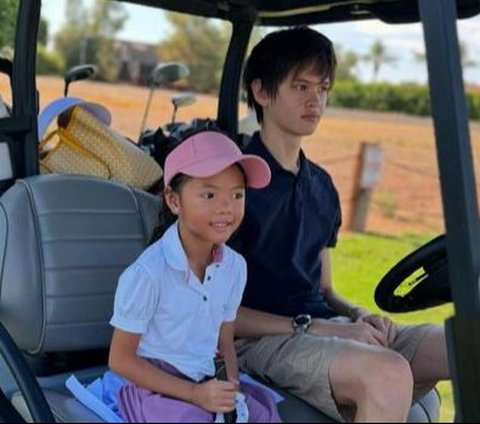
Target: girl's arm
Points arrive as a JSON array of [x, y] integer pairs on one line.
[[214, 395], [227, 349]]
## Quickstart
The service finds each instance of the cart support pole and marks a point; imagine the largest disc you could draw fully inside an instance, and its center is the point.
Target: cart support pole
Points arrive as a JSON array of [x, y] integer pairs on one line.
[[454, 152]]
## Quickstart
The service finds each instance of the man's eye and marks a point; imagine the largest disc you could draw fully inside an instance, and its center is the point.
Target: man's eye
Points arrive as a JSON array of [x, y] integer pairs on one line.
[[300, 87]]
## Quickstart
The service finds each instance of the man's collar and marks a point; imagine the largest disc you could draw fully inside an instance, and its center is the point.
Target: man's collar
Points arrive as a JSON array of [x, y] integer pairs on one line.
[[257, 146]]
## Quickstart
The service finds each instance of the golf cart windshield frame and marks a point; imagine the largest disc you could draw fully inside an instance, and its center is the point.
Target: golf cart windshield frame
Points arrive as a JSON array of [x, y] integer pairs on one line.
[[449, 114]]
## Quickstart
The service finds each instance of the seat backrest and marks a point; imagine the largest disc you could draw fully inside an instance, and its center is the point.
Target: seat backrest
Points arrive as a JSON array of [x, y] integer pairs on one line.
[[64, 241]]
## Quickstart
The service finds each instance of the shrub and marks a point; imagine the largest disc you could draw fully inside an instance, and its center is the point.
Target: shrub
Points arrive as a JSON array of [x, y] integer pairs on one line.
[[409, 98], [49, 63]]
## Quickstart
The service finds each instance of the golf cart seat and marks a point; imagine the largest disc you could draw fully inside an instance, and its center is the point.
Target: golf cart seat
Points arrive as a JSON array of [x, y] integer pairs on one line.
[[64, 240]]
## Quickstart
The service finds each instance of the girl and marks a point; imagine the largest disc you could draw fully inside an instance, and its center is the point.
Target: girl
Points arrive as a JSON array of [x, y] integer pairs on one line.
[[175, 306]]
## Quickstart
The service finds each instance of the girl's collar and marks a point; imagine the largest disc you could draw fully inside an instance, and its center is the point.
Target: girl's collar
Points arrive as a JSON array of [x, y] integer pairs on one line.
[[175, 254]]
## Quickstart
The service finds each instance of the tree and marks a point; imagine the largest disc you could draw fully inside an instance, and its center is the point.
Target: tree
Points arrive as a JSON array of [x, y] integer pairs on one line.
[[378, 56], [89, 37], [42, 36], [107, 20], [75, 13], [8, 18], [465, 59], [346, 64], [201, 44]]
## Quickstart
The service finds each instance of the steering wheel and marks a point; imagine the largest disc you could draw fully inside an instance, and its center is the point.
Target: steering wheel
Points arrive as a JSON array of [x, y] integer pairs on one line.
[[419, 281]]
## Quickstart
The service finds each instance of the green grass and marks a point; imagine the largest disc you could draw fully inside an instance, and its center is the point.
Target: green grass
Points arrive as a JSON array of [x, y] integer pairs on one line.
[[358, 264]]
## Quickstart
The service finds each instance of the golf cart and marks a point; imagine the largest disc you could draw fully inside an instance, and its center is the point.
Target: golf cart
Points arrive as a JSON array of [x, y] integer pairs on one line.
[[64, 239]]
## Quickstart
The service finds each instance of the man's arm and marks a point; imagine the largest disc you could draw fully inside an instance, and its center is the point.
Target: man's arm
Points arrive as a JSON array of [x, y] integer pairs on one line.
[[337, 303], [365, 327], [251, 323], [254, 324]]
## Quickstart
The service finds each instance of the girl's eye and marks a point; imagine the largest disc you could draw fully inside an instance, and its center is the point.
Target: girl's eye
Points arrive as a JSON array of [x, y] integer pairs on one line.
[[206, 195], [238, 196]]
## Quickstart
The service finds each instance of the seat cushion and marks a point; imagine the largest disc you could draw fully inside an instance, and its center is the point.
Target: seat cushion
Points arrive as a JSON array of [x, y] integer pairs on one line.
[[292, 409]]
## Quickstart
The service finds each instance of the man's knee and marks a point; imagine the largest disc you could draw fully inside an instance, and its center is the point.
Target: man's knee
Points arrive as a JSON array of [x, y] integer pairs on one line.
[[390, 370], [380, 377]]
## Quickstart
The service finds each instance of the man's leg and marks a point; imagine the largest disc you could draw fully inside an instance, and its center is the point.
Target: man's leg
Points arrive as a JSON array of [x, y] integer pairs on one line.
[[424, 346], [377, 383], [431, 362], [332, 373]]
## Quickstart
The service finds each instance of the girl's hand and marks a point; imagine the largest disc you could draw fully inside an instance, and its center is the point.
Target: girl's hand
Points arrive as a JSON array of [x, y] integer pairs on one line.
[[236, 383], [215, 395]]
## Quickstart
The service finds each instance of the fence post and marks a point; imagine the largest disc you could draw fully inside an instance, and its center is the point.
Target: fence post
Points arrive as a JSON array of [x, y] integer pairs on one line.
[[367, 175]]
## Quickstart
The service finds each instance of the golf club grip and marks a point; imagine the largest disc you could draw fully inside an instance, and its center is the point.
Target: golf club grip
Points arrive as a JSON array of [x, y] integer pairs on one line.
[[221, 374]]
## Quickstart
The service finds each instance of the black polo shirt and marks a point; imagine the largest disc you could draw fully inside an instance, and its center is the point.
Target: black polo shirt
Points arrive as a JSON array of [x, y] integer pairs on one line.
[[286, 226]]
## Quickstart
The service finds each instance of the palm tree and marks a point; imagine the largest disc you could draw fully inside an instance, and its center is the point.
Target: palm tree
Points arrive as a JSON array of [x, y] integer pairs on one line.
[[378, 56], [465, 59]]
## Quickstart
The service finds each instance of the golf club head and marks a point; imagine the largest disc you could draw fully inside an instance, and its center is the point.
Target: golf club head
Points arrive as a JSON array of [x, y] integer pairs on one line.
[[168, 72], [183, 99], [77, 73]]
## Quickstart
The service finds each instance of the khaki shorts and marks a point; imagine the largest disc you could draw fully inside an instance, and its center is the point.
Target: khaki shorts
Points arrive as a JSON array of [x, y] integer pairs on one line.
[[300, 363]]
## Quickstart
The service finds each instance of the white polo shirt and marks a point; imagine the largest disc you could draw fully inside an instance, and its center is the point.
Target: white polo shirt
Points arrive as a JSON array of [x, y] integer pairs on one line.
[[178, 316]]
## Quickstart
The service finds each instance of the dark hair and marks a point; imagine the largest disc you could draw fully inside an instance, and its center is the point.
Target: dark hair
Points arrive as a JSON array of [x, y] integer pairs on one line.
[[163, 146], [166, 217], [284, 51]]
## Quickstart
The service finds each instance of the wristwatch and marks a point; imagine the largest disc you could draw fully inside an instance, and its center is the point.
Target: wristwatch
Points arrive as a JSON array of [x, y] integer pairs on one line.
[[301, 323]]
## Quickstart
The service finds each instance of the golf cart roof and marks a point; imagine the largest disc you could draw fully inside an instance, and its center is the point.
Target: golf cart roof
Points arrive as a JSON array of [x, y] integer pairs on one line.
[[295, 12]]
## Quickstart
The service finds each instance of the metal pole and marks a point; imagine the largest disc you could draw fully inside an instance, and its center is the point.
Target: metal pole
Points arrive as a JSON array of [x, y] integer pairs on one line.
[[459, 200]]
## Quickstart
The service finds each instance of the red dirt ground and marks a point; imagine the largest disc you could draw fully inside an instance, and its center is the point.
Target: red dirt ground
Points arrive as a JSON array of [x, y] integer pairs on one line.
[[407, 200]]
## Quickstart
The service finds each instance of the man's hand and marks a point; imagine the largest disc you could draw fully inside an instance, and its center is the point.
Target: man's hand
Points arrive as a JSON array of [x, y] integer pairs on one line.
[[360, 331], [383, 324], [215, 395]]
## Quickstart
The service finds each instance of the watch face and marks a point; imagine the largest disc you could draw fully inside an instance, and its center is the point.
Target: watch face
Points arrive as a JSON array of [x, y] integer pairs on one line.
[[302, 320]]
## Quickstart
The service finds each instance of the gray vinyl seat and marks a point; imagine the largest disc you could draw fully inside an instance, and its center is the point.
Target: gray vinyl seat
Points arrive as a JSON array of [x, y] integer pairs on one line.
[[64, 240]]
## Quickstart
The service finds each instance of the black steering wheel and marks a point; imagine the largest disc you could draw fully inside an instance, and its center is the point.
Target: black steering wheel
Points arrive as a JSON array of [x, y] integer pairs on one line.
[[419, 281]]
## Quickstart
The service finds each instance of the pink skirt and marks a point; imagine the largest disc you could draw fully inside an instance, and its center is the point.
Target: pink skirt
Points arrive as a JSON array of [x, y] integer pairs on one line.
[[140, 405]]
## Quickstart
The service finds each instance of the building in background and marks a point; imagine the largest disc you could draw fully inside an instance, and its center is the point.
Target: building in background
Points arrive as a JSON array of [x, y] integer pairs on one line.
[[136, 61]]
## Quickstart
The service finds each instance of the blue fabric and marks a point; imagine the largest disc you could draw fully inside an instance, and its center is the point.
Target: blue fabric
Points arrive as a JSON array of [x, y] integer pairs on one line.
[[286, 226], [58, 106], [100, 396]]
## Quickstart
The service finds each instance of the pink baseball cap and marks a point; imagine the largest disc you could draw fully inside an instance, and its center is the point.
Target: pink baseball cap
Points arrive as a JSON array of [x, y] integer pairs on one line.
[[207, 153]]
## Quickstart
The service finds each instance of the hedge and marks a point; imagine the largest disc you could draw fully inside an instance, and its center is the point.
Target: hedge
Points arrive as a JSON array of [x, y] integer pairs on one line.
[[409, 98]]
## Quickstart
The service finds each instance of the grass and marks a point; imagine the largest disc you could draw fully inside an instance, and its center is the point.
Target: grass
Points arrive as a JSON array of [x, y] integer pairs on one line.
[[360, 261]]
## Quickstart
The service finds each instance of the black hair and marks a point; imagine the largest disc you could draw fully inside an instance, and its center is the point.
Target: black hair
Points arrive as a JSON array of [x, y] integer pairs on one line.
[[163, 146], [281, 52], [166, 217]]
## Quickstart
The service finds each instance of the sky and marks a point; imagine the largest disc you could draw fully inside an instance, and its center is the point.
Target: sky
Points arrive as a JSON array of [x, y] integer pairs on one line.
[[402, 41]]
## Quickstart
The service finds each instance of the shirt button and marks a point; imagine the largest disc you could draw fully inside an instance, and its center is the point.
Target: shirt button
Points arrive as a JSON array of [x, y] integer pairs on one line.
[[209, 278], [205, 298]]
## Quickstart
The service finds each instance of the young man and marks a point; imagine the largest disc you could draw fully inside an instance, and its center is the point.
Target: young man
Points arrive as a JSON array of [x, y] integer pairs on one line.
[[294, 329]]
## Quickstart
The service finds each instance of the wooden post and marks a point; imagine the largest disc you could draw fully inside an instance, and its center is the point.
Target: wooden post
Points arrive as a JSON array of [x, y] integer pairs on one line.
[[367, 175]]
